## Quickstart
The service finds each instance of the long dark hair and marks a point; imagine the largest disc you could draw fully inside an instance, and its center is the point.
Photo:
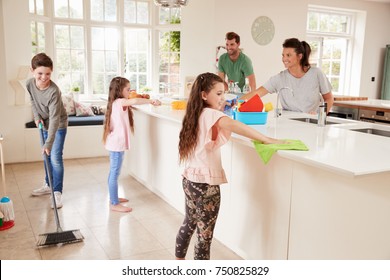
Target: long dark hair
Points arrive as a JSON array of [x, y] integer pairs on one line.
[[188, 137], [116, 88], [300, 47]]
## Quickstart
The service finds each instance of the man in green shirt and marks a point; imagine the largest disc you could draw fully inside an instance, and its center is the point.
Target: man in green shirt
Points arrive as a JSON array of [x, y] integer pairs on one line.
[[235, 64]]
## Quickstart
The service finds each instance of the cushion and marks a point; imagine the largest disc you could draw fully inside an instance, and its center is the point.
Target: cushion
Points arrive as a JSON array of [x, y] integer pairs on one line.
[[99, 110], [30, 125], [83, 110], [69, 105]]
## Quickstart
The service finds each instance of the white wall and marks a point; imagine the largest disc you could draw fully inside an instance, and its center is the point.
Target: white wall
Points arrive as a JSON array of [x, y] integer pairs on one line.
[[14, 51], [198, 36], [205, 23]]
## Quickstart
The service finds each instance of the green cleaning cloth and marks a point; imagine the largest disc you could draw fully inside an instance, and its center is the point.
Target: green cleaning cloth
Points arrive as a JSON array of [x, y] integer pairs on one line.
[[266, 151]]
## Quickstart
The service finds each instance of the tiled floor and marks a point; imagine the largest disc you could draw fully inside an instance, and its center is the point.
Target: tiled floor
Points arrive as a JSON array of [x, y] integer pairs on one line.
[[146, 233]]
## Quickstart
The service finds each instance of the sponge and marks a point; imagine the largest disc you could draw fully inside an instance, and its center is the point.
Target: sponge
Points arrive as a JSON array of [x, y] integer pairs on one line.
[[268, 107], [178, 104]]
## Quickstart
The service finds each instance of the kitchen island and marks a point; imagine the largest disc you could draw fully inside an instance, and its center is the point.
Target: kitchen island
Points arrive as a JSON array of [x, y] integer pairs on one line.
[[331, 202]]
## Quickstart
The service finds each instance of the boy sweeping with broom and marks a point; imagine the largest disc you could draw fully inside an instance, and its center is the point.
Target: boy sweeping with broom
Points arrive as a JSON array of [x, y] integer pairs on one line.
[[49, 110]]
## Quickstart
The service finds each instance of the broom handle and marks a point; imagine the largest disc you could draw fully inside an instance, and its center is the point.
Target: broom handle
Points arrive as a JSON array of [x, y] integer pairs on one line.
[[48, 174], [2, 167]]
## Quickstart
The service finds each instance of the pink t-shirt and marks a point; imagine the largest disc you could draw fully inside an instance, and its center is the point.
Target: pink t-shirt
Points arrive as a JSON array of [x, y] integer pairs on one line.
[[118, 139], [205, 164]]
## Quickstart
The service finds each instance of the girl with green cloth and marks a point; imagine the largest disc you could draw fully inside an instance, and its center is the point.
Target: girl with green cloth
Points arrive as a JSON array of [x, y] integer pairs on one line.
[[205, 129]]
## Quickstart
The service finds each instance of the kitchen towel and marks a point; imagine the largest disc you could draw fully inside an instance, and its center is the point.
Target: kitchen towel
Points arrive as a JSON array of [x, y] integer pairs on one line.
[[266, 151]]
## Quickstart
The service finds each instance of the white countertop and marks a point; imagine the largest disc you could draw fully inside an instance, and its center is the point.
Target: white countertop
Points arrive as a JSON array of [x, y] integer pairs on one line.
[[376, 103], [334, 147]]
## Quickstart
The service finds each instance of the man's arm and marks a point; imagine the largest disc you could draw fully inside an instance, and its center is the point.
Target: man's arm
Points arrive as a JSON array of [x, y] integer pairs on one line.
[[252, 81], [222, 75]]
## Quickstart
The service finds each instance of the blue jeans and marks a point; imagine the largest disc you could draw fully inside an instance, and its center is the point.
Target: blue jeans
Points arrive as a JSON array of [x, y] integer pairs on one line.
[[116, 159], [56, 163]]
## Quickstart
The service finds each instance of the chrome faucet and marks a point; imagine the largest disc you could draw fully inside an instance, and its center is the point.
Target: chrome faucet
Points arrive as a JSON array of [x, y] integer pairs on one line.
[[322, 112], [278, 111]]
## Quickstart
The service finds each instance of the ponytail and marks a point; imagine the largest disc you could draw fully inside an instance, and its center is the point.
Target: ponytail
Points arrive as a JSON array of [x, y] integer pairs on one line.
[[306, 54]]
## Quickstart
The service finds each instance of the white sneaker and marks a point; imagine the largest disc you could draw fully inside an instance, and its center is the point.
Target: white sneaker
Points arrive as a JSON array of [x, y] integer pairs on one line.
[[57, 197], [45, 189]]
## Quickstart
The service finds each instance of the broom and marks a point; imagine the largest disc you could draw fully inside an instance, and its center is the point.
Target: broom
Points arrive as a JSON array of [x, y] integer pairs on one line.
[[60, 236], [6, 206]]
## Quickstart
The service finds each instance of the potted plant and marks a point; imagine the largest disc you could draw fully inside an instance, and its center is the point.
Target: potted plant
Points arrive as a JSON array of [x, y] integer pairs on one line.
[[146, 89], [76, 92]]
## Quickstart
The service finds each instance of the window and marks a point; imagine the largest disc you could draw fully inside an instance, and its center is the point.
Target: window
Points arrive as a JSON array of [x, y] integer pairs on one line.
[[37, 37], [36, 7], [37, 26], [330, 35], [169, 51], [137, 45], [72, 9], [136, 12], [137, 58], [70, 57], [105, 57], [92, 41], [103, 10]]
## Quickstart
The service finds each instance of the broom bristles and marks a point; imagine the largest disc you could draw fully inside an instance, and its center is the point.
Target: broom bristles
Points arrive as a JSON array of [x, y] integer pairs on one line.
[[63, 237], [7, 208]]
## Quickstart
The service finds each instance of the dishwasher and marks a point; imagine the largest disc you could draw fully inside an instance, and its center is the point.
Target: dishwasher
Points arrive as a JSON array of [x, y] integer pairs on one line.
[[344, 113]]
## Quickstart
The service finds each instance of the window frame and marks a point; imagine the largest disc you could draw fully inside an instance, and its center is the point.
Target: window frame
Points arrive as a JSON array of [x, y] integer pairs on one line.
[[348, 36], [169, 88]]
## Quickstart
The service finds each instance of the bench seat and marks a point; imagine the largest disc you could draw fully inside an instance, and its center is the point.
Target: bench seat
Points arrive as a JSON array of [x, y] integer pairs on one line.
[[77, 121]]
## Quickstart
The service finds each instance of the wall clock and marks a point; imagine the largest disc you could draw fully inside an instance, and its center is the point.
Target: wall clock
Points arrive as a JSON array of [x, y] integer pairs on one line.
[[263, 30]]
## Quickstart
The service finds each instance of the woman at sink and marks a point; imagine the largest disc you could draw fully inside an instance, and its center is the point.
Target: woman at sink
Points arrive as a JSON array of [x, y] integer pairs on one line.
[[301, 87]]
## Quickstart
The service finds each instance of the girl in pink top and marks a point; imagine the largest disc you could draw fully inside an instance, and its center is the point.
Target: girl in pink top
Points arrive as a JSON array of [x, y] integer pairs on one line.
[[205, 129], [116, 137]]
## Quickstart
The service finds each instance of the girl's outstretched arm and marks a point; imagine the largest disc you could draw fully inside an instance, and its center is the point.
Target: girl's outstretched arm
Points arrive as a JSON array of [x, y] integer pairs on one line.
[[245, 130], [140, 101]]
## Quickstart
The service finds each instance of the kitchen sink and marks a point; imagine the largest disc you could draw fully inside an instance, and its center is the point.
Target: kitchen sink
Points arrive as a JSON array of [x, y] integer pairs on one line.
[[373, 131], [310, 120]]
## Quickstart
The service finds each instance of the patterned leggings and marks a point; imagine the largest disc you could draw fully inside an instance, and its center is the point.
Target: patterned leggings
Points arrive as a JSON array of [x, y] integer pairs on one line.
[[202, 207]]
